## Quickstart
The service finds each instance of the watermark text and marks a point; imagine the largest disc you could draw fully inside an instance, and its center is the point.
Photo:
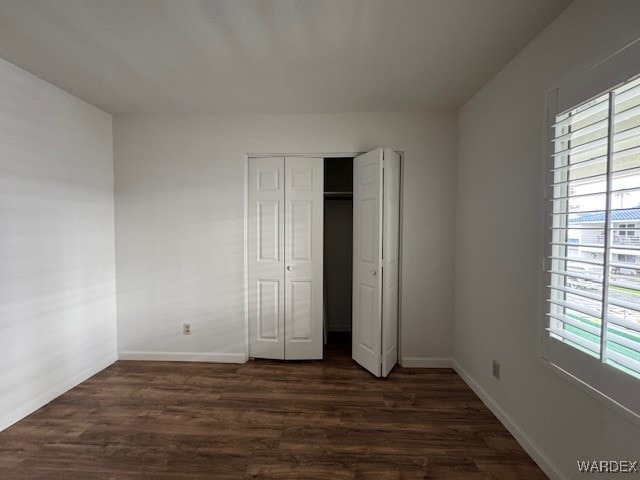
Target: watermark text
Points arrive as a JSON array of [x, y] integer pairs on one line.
[[607, 466]]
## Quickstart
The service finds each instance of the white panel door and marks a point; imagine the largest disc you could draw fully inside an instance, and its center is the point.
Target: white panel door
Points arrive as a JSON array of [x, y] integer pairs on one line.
[[265, 235], [390, 259], [303, 276], [367, 255]]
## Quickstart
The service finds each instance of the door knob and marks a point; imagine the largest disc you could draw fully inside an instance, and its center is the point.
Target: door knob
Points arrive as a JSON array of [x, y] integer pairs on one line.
[[373, 272], [289, 267]]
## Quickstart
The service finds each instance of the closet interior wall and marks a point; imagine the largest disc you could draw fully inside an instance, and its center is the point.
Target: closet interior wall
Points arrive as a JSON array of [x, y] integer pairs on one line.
[[338, 246]]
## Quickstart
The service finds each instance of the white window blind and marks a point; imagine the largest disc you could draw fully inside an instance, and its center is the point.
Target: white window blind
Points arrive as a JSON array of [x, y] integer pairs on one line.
[[593, 243]]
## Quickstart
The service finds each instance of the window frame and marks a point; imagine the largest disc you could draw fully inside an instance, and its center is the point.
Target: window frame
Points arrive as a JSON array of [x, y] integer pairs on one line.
[[616, 389]]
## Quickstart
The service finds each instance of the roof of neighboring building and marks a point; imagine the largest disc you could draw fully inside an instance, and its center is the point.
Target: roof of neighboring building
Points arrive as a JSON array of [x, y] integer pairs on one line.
[[616, 215]]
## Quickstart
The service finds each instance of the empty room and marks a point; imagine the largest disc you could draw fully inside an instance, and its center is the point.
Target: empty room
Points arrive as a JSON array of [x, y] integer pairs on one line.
[[319, 239]]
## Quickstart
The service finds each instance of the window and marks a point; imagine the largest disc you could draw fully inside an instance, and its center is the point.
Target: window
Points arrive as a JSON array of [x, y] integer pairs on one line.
[[623, 232], [626, 258], [592, 301]]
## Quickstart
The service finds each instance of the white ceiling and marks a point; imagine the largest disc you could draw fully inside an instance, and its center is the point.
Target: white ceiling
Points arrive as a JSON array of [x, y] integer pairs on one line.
[[263, 56]]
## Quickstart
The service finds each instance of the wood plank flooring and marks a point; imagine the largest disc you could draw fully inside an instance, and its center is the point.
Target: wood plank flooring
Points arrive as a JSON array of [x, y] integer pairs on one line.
[[263, 419]]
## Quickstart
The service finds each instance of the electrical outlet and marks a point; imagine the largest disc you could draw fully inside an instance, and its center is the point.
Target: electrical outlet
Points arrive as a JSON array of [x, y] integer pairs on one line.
[[496, 369], [186, 329]]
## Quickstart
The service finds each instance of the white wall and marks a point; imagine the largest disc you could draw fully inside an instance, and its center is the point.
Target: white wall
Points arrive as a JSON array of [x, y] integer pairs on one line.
[[57, 276], [498, 248], [179, 222]]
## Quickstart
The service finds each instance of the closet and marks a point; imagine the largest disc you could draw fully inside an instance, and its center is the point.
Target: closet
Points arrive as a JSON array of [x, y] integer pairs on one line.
[[338, 253], [291, 305]]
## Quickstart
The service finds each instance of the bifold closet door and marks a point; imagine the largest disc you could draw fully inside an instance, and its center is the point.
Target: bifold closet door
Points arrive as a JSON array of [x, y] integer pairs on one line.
[[285, 264], [265, 242], [376, 193], [304, 209], [390, 259], [367, 252]]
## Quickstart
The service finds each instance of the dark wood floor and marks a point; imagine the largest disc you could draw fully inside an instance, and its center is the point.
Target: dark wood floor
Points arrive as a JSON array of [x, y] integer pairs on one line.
[[263, 419]]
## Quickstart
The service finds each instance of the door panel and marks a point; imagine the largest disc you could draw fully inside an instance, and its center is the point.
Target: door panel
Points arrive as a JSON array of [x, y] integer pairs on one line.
[[301, 178], [390, 262], [367, 303], [268, 177], [368, 218], [304, 200], [301, 315], [268, 231], [268, 310], [265, 234], [300, 235], [367, 252]]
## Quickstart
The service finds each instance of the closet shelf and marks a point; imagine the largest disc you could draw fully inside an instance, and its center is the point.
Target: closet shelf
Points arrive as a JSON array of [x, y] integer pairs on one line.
[[338, 194]]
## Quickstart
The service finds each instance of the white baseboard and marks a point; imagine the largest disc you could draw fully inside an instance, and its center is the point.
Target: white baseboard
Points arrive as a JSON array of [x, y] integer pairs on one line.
[[426, 362], [184, 357], [534, 451], [54, 392]]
